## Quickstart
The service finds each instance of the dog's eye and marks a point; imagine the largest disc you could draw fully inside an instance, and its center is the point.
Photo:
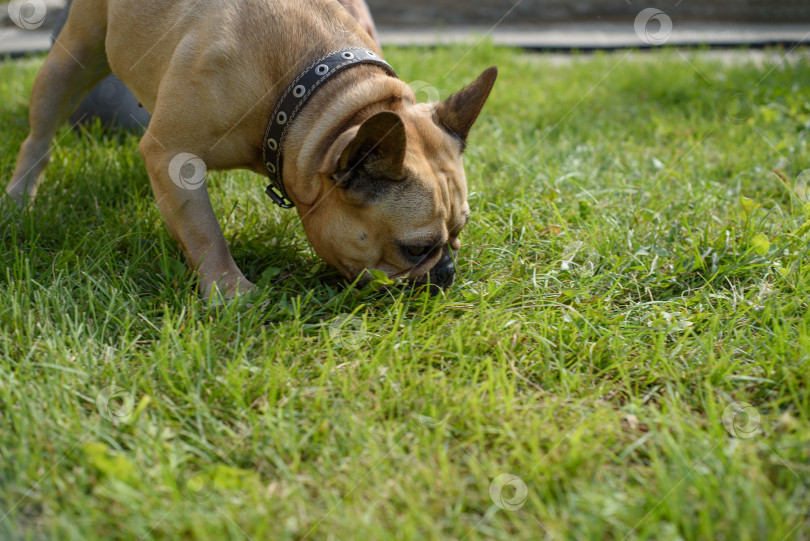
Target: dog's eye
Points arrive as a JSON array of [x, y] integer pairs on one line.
[[419, 254], [417, 251]]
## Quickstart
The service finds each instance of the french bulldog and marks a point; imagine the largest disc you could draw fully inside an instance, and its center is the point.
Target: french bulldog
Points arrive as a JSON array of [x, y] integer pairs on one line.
[[377, 179]]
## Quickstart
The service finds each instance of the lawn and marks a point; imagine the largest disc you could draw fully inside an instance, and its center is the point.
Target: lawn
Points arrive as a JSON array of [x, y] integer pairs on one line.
[[625, 354]]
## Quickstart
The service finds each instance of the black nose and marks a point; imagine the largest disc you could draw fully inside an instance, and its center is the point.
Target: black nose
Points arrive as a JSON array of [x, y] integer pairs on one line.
[[444, 272]]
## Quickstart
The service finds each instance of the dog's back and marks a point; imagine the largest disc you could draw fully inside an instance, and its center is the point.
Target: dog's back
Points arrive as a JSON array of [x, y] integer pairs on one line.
[[231, 39]]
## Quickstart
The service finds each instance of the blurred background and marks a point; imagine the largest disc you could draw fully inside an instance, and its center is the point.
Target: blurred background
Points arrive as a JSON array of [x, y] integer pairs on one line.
[[591, 24], [544, 25], [554, 24], [527, 12]]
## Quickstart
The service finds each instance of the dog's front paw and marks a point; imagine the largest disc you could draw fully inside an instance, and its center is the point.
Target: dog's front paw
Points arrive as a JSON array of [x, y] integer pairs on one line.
[[15, 199], [215, 292]]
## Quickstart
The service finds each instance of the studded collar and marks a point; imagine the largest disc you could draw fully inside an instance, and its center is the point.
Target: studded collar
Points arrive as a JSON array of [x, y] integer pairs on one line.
[[296, 96]]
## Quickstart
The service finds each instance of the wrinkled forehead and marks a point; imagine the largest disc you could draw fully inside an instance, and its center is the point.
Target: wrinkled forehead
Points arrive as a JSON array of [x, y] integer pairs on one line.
[[435, 165]]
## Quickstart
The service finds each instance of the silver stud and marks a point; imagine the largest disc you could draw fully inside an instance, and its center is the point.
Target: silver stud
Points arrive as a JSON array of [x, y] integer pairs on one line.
[[347, 55], [299, 91], [371, 54], [323, 68], [281, 118], [272, 144]]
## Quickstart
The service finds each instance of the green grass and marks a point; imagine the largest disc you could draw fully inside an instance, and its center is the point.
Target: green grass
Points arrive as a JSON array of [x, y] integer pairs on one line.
[[633, 267]]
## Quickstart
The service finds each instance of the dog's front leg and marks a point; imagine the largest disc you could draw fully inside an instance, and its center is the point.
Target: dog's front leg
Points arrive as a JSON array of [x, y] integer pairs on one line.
[[178, 181]]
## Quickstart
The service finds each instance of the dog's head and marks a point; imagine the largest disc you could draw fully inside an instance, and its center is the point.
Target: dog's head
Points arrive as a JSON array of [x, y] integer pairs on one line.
[[394, 193]]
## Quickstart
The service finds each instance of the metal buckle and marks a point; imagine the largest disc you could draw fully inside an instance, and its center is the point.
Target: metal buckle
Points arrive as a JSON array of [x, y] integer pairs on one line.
[[278, 197]]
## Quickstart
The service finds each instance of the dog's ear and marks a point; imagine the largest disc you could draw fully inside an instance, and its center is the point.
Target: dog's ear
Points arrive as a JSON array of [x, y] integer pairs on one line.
[[458, 113], [367, 159], [377, 149]]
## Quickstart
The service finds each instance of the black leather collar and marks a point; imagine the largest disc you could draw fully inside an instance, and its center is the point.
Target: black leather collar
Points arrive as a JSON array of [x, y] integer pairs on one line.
[[297, 95]]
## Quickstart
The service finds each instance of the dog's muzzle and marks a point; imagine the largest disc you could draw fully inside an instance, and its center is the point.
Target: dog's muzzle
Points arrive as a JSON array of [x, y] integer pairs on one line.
[[444, 272]]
